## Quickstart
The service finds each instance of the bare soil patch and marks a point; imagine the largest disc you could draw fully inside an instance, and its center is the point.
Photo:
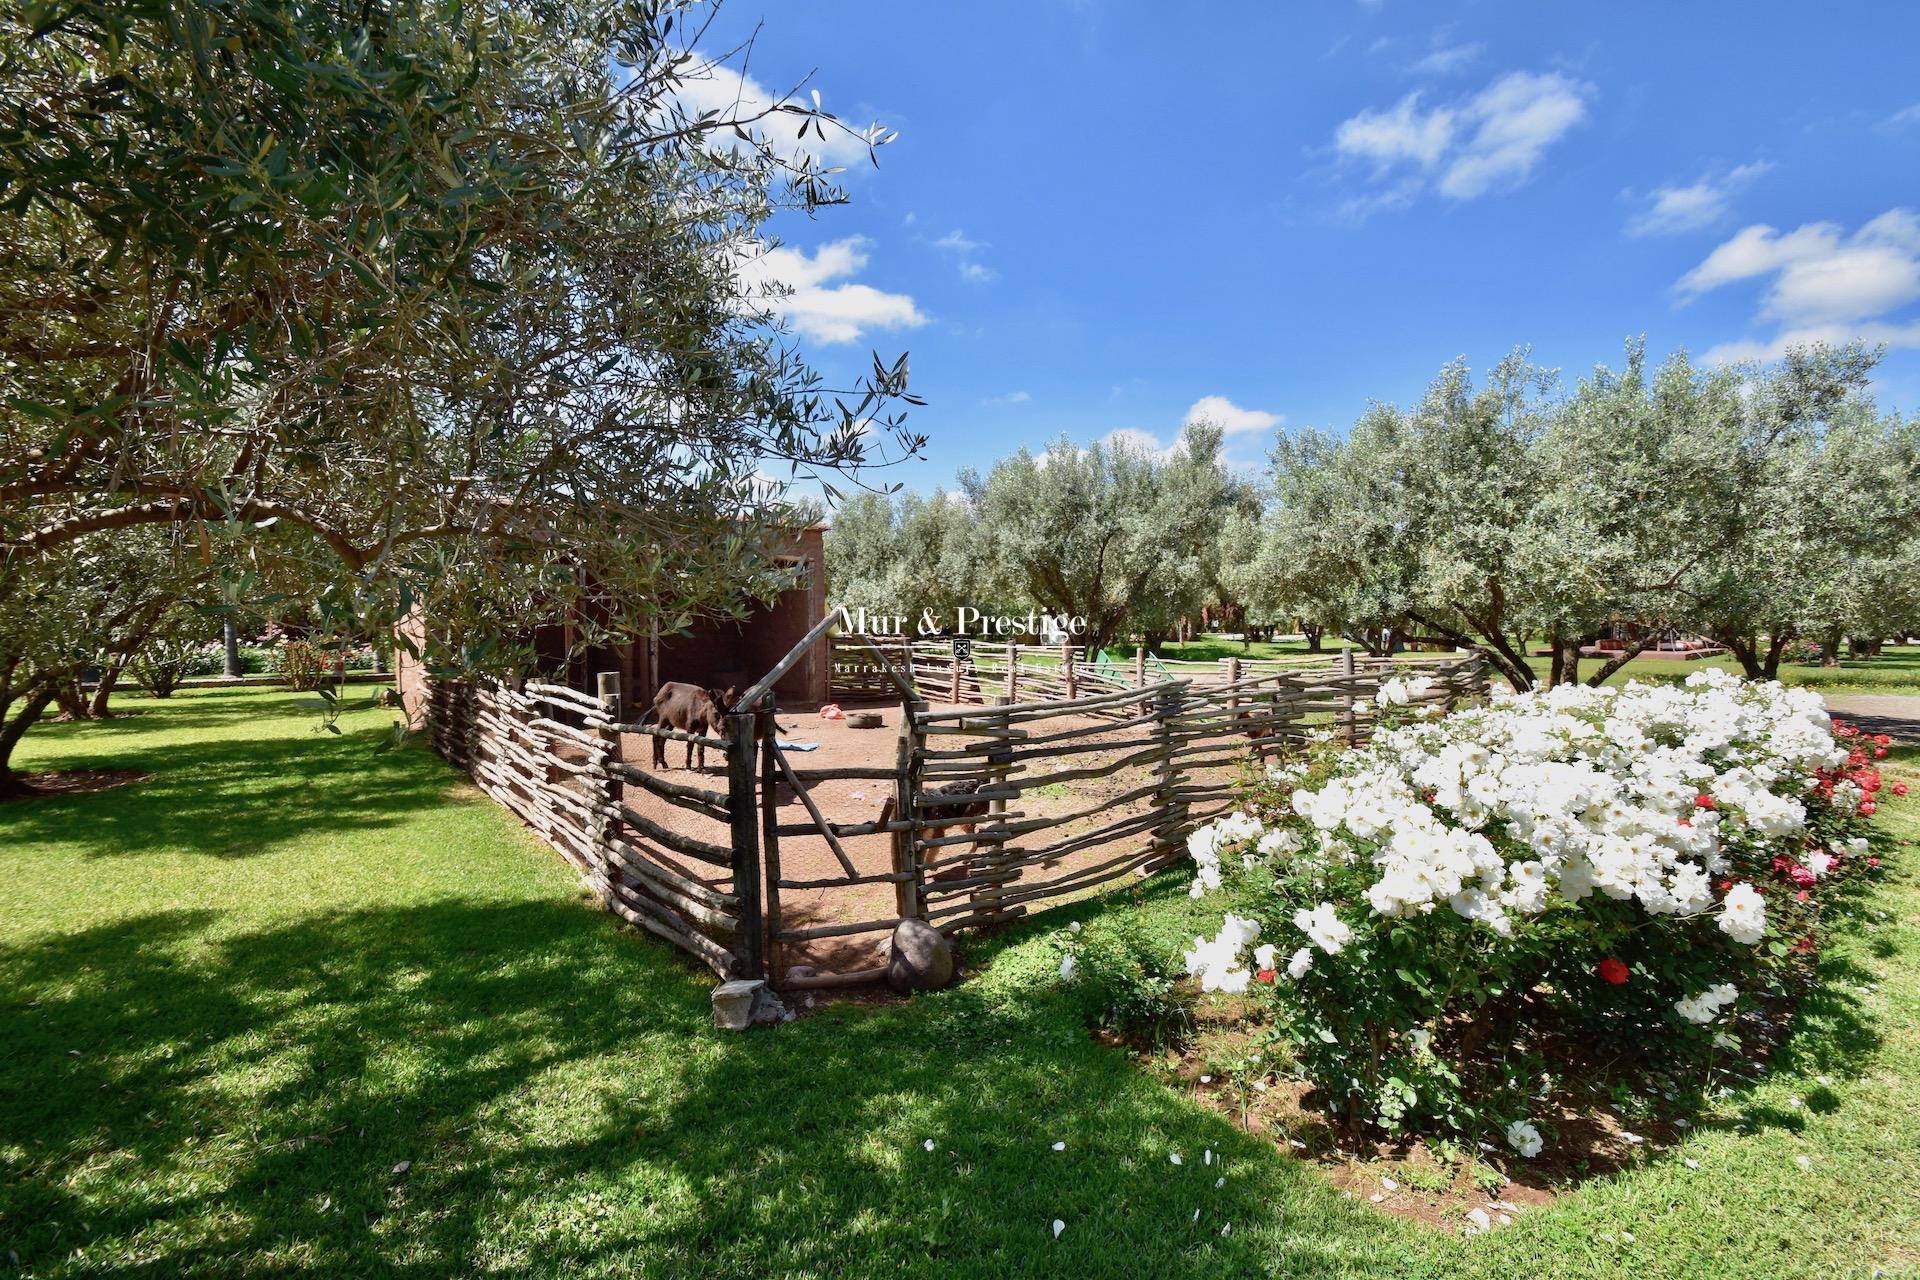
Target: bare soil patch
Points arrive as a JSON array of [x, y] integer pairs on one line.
[[851, 801], [70, 782], [1429, 1182]]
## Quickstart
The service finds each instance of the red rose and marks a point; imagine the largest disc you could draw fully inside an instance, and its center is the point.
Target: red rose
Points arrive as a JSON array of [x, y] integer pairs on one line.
[[1704, 801], [1686, 822], [1265, 975], [1868, 808], [1881, 739], [1613, 971], [1873, 862], [1802, 896], [1899, 788]]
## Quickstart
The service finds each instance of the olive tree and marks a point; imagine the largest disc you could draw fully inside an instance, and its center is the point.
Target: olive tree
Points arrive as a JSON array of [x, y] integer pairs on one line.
[[1816, 536], [1488, 515], [1113, 533], [89, 609], [904, 554], [455, 303]]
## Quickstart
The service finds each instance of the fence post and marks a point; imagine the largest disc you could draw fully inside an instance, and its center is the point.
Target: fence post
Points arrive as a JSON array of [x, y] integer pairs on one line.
[[1346, 699], [607, 689], [1013, 673], [770, 834], [1173, 812], [741, 743], [1140, 676], [906, 767], [1066, 664], [1233, 682], [986, 902]]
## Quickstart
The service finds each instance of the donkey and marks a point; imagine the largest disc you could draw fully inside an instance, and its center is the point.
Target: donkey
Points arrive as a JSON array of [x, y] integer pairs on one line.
[[964, 811], [689, 709]]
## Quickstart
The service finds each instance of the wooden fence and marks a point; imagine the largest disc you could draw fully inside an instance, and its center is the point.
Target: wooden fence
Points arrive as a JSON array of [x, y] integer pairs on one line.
[[554, 756], [1077, 775]]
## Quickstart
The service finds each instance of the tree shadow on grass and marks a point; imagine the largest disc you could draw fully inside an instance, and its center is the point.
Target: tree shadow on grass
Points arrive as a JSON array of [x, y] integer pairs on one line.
[[235, 797], [187, 710], [246, 1103]]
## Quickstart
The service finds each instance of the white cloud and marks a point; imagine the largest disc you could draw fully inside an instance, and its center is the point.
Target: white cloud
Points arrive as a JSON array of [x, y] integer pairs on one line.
[[1230, 417], [1402, 133], [1517, 118], [1905, 115], [816, 307], [1449, 59], [1486, 142], [1011, 397], [958, 243], [1671, 210], [1823, 285], [1134, 438], [736, 97], [1832, 335]]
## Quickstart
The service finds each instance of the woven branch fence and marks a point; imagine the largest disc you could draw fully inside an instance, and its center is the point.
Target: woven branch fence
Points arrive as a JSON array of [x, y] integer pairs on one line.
[[1113, 770]]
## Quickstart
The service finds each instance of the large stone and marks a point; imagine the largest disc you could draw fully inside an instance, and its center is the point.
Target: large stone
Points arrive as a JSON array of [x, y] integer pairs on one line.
[[742, 1002], [736, 1003], [919, 959]]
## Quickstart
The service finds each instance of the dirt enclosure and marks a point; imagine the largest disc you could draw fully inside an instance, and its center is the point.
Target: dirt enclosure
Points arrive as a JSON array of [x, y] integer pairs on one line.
[[1084, 804]]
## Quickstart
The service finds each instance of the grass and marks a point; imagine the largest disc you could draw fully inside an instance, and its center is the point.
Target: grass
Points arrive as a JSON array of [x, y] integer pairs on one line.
[[292, 1006], [1895, 671]]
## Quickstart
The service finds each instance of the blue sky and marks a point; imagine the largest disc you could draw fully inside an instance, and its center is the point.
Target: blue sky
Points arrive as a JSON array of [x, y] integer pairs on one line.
[[1098, 216]]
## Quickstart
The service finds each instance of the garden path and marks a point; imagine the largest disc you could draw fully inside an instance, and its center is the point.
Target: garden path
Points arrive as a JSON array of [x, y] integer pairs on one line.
[[1893, 714]]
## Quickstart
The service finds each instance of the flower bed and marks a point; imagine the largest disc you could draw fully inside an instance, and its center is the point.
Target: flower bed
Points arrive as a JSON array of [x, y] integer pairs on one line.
[[1424, 918]]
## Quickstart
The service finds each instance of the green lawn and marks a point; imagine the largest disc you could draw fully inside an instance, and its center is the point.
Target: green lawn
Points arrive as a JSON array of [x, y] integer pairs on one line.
[[292, 1006], [1895, 671]]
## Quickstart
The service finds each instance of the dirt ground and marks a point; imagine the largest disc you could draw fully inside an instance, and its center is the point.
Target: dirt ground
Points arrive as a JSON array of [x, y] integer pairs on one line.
[[849, 801]]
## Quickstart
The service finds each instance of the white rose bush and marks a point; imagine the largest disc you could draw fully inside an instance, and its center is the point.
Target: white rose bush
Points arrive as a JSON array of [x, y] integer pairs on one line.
[[1426, 916]]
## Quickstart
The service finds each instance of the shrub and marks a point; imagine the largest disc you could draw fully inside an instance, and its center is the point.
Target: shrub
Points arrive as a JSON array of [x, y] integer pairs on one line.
[[161, 664], [303, 665], [255, 660], [1805, 652], [1123, 984], [1425, 914]]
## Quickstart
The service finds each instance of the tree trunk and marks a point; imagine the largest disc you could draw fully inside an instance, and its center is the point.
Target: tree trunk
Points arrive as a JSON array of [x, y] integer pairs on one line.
[[1368, 640], [32, 707], [1829, 648], [109, 677], [1776, 648], [230, 638], [1314, 636], [1508, 662], [1744, 648], [72, 699], [1567, 659], [1153, 640], [1621, 659]]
